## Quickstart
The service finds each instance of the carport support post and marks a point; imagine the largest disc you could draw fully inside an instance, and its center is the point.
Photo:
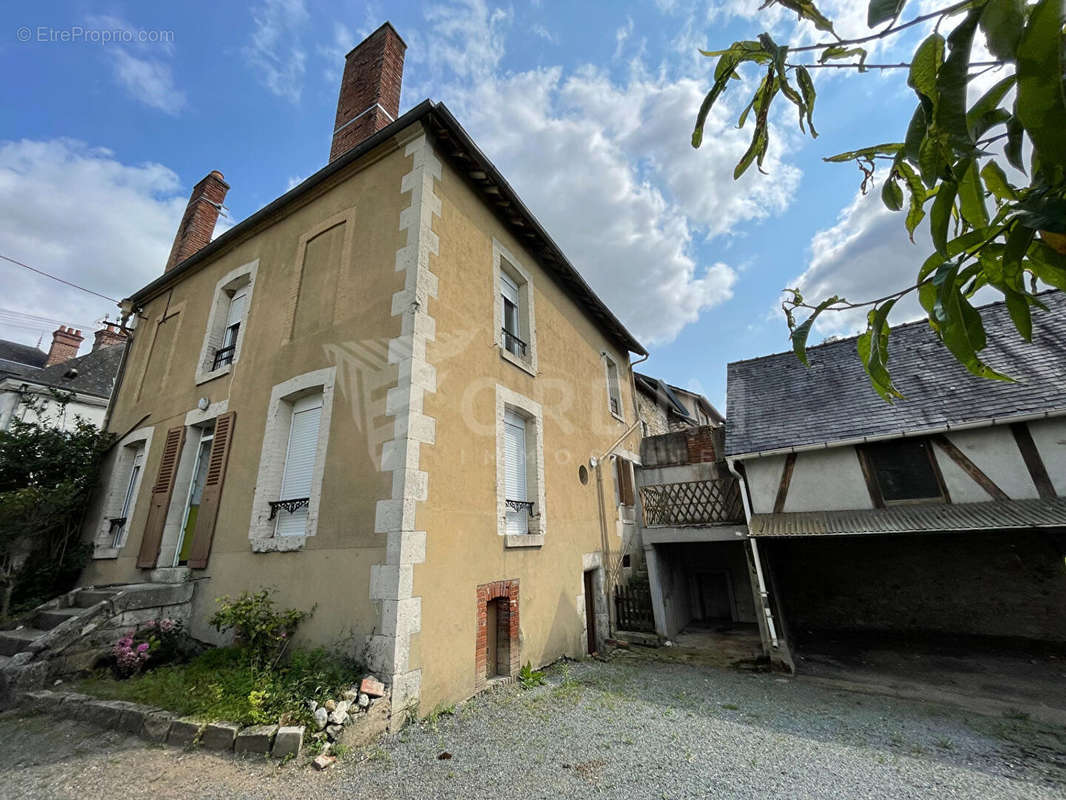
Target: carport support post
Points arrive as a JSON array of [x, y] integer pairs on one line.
[[658, 609]]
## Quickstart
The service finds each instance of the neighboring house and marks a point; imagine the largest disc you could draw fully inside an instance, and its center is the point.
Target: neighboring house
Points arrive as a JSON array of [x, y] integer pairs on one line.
[[665, 408], [30, 379], [387, 394], [942, 515]]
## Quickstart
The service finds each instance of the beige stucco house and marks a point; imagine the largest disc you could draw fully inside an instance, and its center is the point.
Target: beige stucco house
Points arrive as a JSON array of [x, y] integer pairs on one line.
[[388, 395]]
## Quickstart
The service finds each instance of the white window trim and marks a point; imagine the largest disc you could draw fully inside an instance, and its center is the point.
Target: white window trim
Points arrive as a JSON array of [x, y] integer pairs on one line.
[[117, 485], [261, 532], [608, 360], [506, 399], [242, 276], [503, 260]]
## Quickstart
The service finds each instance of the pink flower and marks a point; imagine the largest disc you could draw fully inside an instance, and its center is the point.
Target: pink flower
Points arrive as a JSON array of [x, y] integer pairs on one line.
[[142, 647]]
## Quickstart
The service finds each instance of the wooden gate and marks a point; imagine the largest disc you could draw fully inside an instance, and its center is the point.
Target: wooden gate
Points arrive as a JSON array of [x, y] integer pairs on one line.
[[633, 609]]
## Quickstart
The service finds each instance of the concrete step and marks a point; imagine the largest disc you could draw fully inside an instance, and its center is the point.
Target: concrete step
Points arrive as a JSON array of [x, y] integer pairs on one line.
[[90, 597], [12, 642], [46, 620]]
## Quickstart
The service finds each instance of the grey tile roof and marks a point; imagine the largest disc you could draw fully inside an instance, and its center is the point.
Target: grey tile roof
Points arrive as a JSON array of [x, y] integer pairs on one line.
[[96, 372], [18, 359], [775, 402], [932, 517]]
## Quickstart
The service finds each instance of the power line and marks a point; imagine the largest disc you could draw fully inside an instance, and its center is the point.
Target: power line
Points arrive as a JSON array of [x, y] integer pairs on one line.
[[61, 280]]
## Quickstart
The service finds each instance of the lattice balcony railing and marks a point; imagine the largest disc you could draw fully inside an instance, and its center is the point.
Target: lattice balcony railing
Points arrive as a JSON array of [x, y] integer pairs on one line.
[[708, 502]]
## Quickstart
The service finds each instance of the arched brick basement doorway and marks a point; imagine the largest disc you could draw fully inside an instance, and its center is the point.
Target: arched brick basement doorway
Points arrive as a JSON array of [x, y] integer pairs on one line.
[[497, 602]]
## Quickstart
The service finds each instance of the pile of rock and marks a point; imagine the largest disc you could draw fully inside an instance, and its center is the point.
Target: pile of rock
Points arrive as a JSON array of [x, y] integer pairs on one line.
[[354, 719]]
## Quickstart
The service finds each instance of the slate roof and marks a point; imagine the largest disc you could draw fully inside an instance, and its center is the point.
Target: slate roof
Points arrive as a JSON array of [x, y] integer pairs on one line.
[[775, 403], [20, 359], [931, 517], [96, 372]]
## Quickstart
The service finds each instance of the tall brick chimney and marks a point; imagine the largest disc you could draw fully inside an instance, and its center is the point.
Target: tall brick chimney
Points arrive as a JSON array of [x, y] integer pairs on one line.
[[370, 89], [65, 344], [107, 336], [201, 214]]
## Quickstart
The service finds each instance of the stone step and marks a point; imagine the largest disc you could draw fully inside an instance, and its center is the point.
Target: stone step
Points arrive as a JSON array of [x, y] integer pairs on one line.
[[46, 620], [90, 597], [12, 642]]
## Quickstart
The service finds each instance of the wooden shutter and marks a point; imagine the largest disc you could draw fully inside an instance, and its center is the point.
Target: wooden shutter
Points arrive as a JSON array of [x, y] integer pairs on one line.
[[161, 491], [624, 476], [212, 493]]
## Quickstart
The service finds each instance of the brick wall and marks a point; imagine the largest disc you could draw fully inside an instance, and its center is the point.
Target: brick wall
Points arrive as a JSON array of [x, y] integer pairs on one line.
[[198, 223]]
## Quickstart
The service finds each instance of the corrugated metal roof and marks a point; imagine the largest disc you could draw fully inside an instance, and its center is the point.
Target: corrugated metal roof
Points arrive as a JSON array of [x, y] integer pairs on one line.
[[775, 402], [924, 518]]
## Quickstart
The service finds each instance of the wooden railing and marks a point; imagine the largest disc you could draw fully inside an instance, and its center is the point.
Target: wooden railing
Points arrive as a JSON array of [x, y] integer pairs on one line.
[[708, 502]]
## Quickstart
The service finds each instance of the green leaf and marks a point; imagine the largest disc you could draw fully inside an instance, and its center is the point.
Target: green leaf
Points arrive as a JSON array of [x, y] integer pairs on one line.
[[915, 133], [989, 102], [803, 330], [837, 52], [806, 9], [940, 215], [705, 108], [1047, 264], [892, 195], [1018, 240], [761, 137], [959, 323], [882, 11], [889, 149], [1018, 308], [924, 66], [1041, 106], [1001, 23], [996, 181], [873, 351], [949, 114], [972, 196], [803, 77], [932, 160], [916, 213], [1013, 148]]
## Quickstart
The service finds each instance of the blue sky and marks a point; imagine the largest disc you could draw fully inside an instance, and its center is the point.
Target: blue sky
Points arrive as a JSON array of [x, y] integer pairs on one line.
[[586, 107]]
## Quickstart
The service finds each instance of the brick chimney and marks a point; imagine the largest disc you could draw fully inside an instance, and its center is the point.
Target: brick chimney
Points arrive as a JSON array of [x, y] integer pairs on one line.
[[65, 344], [201, 214], [107, 336], [370, 89]]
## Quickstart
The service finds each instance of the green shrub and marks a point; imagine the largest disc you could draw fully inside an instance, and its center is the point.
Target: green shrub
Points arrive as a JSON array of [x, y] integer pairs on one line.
[[530, 677], [262, 632]]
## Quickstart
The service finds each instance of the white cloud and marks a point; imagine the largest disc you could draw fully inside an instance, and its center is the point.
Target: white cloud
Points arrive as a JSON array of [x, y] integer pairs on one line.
[[334, 52], [77, 212], [147, 76], [275, 51], [544, 33], [607, 166], [148, 80]]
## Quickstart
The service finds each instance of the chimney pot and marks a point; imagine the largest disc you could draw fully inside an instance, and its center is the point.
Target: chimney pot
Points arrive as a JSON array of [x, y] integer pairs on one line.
[[65, 344], [201, 214], [370, 89], [107, 336]]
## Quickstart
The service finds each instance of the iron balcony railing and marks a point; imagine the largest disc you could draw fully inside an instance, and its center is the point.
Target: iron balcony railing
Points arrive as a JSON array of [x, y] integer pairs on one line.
[[518, 505], [708, 502], [224, 356], [292, 506], [513, 344]]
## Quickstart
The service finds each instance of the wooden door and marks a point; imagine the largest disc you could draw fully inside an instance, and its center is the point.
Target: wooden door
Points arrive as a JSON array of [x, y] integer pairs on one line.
[[590, 610]]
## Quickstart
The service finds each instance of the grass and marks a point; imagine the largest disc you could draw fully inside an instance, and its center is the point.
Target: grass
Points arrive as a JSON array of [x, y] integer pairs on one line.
[[220, 684]]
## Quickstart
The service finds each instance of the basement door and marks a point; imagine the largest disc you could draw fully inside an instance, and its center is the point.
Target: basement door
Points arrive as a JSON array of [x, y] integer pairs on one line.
[[590, 611]]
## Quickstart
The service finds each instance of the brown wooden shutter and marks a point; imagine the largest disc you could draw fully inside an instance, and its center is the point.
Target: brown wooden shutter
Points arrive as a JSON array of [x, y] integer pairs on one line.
[[625, 481], [212, 494], [161, 491]]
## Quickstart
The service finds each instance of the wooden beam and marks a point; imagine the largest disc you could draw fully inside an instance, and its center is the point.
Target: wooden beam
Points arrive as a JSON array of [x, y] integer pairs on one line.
[[1037, 471], [971, 469], [786, 479], [871, 480]]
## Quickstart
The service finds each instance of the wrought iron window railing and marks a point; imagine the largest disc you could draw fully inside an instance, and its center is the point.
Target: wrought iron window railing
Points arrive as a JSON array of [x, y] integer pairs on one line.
[[518, 505], [292, 506], [224, 356], [513, 344], [692, 503], [616, 406], [118, 525]]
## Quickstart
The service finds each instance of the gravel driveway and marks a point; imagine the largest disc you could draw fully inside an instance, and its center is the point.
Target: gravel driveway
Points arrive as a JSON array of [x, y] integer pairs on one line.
[[630, 728]]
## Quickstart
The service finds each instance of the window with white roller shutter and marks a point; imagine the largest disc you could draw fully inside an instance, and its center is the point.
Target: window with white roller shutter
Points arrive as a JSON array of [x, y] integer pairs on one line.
[[515, 482], [299, 463]]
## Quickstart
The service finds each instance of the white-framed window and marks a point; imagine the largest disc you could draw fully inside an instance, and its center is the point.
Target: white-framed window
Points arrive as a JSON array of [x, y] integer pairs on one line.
[[513, 310], [521, 513], [614, 388], [293, 462], [118, 503], [291, 519], [227, 322]]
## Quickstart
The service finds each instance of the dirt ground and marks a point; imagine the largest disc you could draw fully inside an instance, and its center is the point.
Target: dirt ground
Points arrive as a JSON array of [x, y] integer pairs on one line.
[[633, 727]]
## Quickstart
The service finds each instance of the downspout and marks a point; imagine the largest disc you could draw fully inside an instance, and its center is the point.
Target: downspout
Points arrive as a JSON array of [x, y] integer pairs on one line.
[[764, 596]]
